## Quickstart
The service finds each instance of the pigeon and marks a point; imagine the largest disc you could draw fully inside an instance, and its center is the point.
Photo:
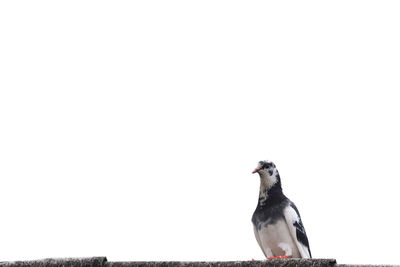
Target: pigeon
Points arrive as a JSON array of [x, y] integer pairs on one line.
[[277, 224]]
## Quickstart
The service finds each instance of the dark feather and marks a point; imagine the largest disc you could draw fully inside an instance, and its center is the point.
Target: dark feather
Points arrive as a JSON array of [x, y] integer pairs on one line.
[[300, 231]]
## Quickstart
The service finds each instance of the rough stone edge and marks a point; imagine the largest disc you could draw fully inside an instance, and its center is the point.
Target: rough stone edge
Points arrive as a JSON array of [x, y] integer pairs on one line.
[[266, 263], [102, 262], [59, 262]]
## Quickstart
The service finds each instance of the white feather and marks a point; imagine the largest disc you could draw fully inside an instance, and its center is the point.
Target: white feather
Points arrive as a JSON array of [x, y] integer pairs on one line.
[[291, 217], [276, 240]]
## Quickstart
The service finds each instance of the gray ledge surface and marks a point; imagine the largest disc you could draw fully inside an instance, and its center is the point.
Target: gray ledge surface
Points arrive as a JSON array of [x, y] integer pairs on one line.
[[62, 262], [266, 263], [102, 262]]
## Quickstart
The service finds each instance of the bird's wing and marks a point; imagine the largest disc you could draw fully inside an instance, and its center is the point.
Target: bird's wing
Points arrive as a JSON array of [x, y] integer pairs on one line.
[[297, 230]]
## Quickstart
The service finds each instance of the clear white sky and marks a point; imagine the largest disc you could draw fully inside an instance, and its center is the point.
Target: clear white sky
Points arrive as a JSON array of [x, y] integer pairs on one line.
[[130, 129]]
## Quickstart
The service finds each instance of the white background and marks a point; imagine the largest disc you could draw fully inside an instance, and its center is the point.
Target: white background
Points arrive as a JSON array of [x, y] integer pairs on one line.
[[130, 129]]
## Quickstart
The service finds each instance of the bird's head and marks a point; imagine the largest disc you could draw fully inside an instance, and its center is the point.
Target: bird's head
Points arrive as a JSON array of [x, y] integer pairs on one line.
[[269, 176], [265, 167]]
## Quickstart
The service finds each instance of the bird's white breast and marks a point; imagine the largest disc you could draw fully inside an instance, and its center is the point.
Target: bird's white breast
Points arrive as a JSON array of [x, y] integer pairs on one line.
[[276, 240]]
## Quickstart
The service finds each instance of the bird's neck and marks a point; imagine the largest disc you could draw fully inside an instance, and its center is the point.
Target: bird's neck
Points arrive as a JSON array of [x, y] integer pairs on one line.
[[270, 188]]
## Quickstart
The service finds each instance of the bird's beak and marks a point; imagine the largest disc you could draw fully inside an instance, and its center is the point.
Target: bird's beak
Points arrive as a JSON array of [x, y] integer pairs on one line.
[[256, 170]]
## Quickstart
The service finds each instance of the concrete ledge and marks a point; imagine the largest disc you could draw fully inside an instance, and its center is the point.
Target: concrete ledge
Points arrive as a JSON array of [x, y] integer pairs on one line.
[[62, 262], [102, 262], [267, 263]]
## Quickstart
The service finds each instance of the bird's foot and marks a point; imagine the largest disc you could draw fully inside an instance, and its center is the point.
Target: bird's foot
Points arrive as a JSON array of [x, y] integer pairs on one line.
[[279, 257]]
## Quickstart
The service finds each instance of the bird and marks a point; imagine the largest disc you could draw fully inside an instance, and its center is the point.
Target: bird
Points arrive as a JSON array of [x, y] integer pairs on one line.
[[277, 225]]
